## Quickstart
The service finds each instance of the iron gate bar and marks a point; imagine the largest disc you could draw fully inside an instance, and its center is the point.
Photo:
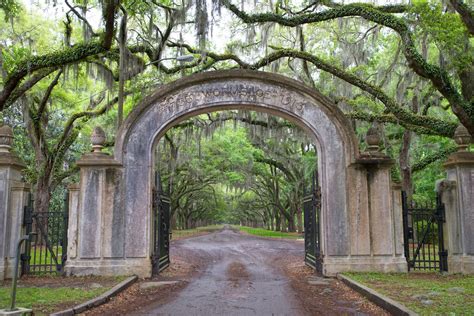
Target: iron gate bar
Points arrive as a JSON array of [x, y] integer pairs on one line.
[[48, 252], [27, 223], [44, 235], [161, 210], [312, 206], [419, 230], [64, 243], [441, 214]]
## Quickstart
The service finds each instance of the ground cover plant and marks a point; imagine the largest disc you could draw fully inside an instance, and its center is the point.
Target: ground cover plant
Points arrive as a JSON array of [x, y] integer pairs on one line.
[[262, 232], [425, 293], [50, 293], [185, 233]]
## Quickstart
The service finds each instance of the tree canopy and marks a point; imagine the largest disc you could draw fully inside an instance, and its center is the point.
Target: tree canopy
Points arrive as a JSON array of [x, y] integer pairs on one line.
[[405, 68]]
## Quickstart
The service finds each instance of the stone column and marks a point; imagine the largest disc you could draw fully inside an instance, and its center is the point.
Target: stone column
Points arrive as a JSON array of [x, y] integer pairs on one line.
[[397, 212], [96, 222], [376, 222], [13, 198], [458, 196], [74, 196]]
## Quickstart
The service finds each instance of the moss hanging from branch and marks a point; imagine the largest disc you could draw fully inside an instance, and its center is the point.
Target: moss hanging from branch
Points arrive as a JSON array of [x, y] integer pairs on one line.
[[440, 79], [56, 59], [427, 124]]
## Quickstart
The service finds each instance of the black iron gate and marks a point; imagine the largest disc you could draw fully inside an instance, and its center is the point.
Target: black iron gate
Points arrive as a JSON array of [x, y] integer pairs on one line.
[[312, 234], [47, 252], [161, 221], [423, 235]]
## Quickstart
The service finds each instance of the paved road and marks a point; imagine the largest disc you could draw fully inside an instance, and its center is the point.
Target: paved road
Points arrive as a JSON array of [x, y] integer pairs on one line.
[[240, 279]]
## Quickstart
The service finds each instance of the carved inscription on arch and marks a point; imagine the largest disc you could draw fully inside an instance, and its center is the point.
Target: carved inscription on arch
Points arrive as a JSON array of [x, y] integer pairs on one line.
[[233, 92]]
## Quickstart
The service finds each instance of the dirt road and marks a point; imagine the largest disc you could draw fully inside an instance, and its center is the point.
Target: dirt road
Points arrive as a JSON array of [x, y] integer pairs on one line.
[[244, 275]]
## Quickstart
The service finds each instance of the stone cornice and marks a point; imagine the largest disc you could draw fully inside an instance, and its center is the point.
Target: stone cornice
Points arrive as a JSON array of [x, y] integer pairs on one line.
[[74, 187], [11, 160], [98, 160], [374, 160], [460, 158]]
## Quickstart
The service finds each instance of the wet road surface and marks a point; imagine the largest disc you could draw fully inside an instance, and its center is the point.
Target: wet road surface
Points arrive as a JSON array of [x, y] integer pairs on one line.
[[241, 278]]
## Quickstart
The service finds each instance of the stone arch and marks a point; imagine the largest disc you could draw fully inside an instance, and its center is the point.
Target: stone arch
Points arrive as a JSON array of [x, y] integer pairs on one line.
[[347, 230]]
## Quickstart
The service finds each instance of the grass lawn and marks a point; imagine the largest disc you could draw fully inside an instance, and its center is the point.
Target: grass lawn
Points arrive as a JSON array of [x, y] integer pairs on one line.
[[424, 293], [51, 294], [41, 260], [183, 233], [267, 233]]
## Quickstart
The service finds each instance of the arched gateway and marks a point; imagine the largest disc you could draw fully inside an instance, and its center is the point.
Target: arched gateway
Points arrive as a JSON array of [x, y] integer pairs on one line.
[[110, 213]]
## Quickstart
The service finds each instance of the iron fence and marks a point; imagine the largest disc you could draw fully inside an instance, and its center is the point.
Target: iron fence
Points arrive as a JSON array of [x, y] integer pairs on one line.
[[423, 235], [47, 252]]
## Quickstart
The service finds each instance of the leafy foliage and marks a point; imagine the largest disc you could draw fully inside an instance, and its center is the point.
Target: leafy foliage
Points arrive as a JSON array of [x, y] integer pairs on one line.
[[408, 69]]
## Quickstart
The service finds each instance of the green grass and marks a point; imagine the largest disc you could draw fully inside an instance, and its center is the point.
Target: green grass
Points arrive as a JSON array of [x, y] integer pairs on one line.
[[262, 232], [45, 300], [436, 287], [41, 255], [182, 233]]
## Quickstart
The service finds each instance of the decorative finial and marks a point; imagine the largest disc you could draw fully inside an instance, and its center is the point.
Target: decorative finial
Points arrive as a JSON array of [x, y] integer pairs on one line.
[[6, 138], [372, 138], [98, 139], [462, 137]]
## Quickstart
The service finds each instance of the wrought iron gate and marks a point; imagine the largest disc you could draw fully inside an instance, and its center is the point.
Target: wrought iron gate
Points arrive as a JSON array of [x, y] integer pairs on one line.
[[47, 252], [161, 221], [423, 235], [312, 234]]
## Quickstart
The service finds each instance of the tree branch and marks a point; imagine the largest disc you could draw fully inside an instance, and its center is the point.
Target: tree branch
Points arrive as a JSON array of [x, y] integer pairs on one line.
[[80, 17], [86, 114], [47, 94], [442, 154], [440, 79], [109, 9], [467, 15], [19, 91], [52, 60], [429, 124]]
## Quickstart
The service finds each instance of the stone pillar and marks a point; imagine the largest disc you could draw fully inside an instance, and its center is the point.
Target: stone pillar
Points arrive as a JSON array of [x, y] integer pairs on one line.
[[96, 222], [397, 213], [376, 215], [72, 233], [458, 196], [13, 198]]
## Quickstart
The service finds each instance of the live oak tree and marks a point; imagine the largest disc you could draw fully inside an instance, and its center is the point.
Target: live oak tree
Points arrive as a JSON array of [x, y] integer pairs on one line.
[[260, 162], [407, 68]]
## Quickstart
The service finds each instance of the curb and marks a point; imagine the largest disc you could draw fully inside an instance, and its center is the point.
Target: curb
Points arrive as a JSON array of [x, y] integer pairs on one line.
[[386, 303], [99, 300]]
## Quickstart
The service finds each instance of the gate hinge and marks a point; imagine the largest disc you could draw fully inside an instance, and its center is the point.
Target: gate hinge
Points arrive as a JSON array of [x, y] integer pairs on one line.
[[24, 257]]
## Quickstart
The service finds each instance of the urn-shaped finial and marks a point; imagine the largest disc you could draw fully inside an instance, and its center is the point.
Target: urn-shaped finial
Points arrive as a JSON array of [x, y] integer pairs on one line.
[[98, 139], [6, 138], [372, 138], [462, 137]]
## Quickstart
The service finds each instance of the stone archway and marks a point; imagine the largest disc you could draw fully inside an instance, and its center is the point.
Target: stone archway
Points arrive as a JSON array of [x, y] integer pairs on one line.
[[110, 223]]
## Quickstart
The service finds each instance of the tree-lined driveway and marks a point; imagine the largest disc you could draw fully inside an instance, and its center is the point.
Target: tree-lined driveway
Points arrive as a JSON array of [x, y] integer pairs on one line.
[[247, 275]]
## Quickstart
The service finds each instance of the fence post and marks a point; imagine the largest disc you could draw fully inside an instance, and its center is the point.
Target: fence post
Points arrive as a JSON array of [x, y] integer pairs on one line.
[[406, 228], [441, 219], [28, 227], [64, 240], [458, 195], [12, 201]]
